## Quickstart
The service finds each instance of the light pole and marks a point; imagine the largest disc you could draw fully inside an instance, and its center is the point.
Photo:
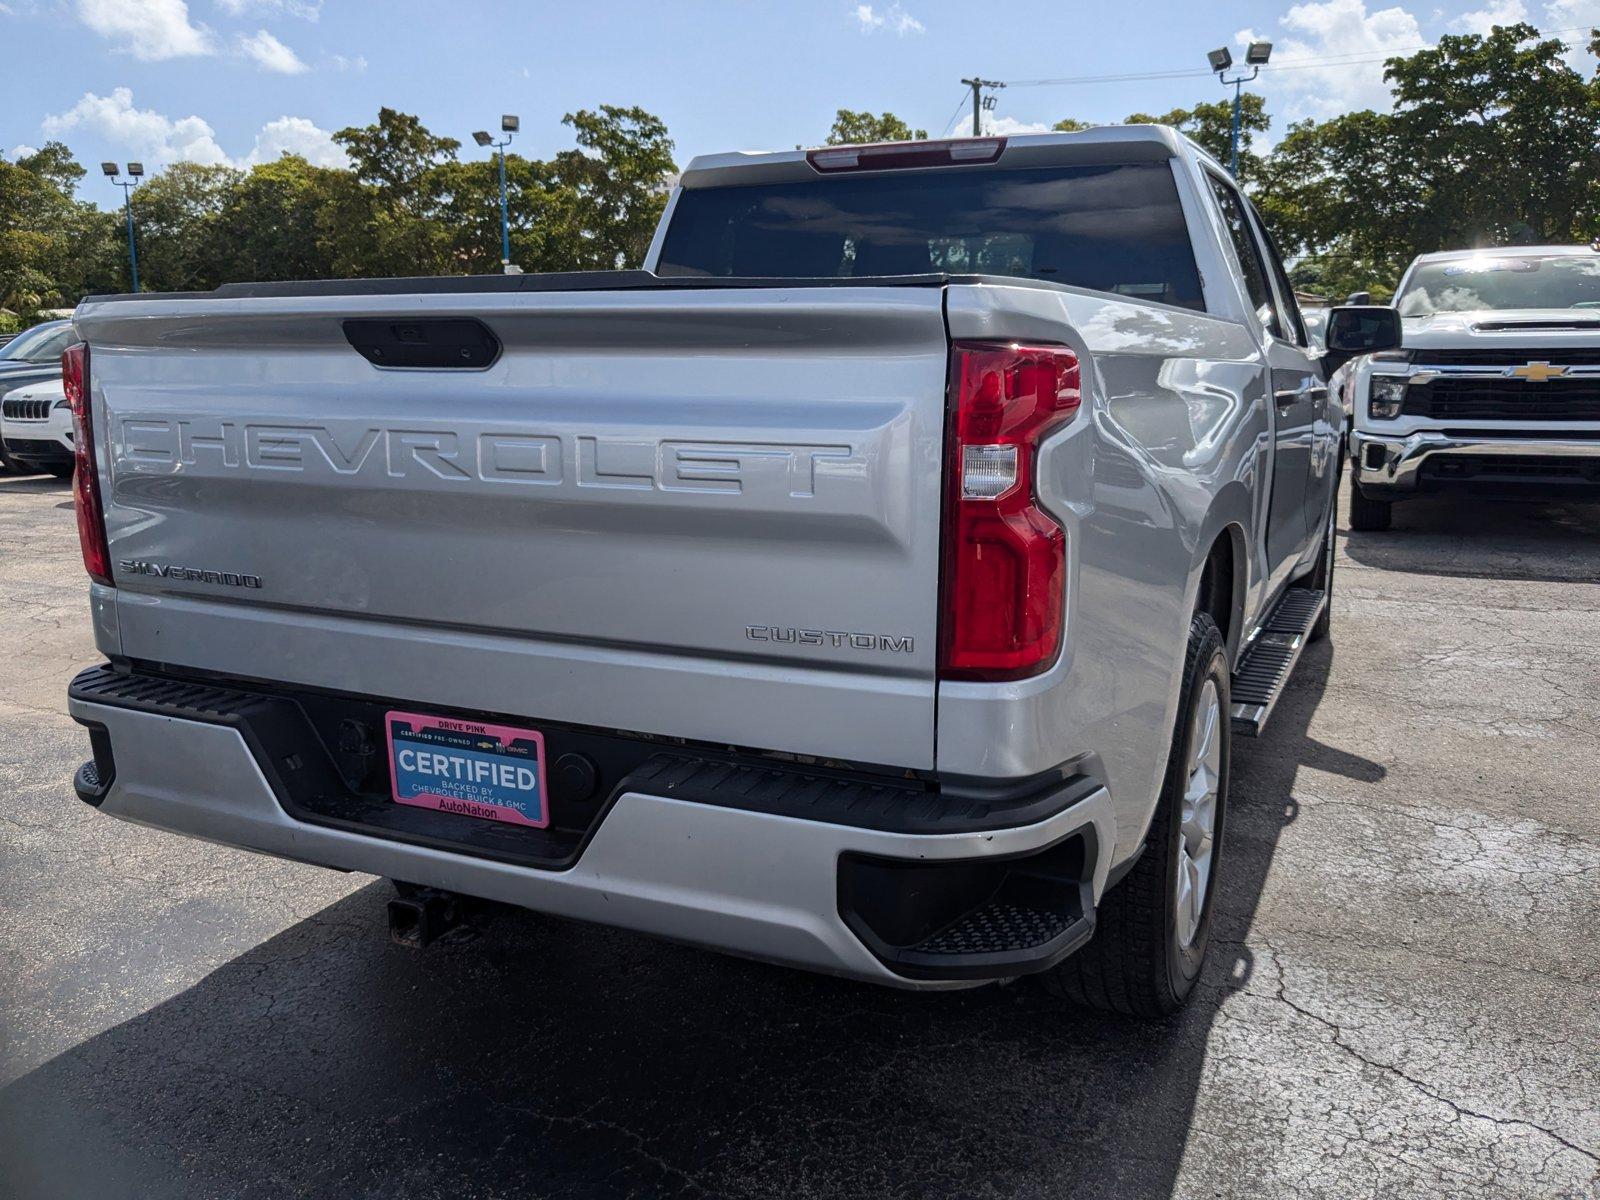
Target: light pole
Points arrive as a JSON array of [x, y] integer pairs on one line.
[[135, 173], [1221, 60], [509, 125]]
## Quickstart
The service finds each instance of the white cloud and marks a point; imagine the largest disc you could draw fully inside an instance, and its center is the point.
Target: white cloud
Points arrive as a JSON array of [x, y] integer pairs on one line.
[[1563, 14], [295, 135], [157, 140], [271, 55], [306, 10], [151, 30], [894, 19], [1577, 17], [22, 151], [139, 133], [156, 30], [358, 63], [1348, 45], [1008, 125], [1496, 12]]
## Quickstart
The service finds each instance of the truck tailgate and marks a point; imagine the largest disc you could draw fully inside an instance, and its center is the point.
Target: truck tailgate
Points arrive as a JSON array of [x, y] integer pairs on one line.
[[697, 513]]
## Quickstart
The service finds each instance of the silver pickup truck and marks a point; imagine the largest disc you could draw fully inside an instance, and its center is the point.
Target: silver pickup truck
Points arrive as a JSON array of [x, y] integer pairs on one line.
[[871, 584]]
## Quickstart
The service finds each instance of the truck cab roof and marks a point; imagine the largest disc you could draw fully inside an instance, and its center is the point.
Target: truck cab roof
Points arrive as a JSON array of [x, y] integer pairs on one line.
[[1102, 144]]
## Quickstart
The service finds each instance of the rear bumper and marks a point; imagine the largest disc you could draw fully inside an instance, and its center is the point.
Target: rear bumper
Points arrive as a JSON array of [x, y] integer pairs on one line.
[[713, 871], [1391, 467]]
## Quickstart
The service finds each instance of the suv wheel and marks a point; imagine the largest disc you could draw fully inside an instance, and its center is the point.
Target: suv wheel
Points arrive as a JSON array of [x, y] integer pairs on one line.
[[1152, 929]]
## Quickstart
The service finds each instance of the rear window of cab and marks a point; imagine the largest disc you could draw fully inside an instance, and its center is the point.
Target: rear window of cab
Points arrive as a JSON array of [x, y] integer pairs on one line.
[[1115, 228]]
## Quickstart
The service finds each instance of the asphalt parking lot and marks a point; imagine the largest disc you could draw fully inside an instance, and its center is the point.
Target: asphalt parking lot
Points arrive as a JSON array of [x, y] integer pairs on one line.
[[1403, 997]]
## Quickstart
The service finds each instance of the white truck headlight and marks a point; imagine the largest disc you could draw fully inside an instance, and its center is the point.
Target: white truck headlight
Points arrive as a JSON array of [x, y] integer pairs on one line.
[[1386, 397]]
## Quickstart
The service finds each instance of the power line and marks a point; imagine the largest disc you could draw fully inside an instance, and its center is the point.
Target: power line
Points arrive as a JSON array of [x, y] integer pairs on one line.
[[960, 104]]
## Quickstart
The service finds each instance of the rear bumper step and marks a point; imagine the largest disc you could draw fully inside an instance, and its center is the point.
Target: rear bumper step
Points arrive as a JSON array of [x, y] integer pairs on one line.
[[860, 875], [1267, 663]]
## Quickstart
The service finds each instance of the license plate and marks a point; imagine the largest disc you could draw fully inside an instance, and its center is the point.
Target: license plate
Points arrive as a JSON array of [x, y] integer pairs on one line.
[[493, 772]]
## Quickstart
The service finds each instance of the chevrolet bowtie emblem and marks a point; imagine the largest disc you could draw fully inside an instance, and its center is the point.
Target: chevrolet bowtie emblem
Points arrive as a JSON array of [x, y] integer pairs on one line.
[[1537, 372]]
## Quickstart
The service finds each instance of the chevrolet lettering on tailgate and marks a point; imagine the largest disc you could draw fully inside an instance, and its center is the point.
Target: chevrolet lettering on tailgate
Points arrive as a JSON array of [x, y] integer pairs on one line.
[[668, 465]]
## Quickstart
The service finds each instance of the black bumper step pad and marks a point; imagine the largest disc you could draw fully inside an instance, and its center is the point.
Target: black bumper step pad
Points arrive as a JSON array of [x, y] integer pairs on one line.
[[999, 928]]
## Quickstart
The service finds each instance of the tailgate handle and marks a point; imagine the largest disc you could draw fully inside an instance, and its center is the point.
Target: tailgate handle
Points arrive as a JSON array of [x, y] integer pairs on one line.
[[463, 343]]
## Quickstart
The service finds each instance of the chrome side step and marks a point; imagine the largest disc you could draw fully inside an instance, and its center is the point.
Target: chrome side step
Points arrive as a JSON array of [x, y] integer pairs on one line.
[[1267, 663]]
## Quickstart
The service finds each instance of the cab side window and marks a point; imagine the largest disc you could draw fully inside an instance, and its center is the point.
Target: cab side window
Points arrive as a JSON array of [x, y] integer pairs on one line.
[[1296, 326], [1251, 260]]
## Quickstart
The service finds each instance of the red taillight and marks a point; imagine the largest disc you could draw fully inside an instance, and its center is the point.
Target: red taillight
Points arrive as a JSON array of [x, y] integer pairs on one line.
[[85, 480], [1005, 559]]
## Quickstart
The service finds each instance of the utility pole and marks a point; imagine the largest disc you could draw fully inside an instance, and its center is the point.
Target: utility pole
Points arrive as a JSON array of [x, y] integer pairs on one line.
[[980, 101]]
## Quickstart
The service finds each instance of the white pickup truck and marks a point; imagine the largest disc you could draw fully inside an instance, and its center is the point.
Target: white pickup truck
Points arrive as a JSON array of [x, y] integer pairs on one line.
[[871, 584], [1497, 391]]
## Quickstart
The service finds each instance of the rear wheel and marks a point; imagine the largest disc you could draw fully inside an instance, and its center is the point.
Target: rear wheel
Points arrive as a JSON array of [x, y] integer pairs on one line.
[[1152, 929], [1369, 516]]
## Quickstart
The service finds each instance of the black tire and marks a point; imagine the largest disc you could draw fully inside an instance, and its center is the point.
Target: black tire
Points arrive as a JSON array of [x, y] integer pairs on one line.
[[1137, 964], [60, 472], [1322, 578], [1369, 516], [7, 463]]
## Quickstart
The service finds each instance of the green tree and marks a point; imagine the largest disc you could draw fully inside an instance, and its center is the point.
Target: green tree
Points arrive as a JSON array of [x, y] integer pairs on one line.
[[1342, 200], [852, 128], [176, 213], [1478, 112], [54, 248], [393, 213], [1210, 125], [540, 210], [1492, 141], [395, 155], [609, 191], [290, 220], [406, 205]]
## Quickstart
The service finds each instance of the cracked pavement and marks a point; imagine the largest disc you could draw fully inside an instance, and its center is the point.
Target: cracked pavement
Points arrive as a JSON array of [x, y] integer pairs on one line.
[[1403, 995]]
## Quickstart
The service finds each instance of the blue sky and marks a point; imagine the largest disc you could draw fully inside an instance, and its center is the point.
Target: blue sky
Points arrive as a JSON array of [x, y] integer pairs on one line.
[[243, 80]]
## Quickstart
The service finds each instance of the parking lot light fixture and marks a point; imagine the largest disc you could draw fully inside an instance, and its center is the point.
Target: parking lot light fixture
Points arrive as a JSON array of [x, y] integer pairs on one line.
[[510, 124], [135, 173], [1221, 60]]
